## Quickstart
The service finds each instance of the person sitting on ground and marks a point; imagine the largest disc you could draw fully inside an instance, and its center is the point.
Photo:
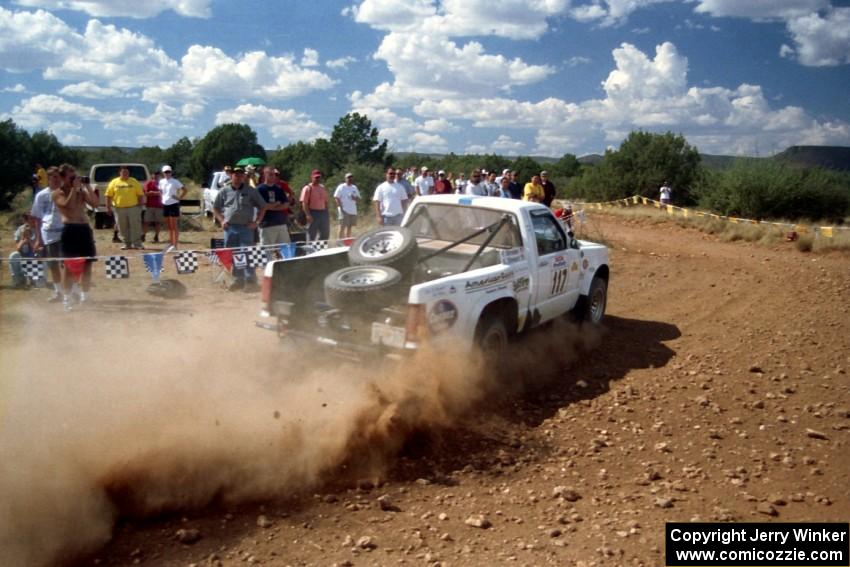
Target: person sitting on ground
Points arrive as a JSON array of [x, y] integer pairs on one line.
[[25, 243]]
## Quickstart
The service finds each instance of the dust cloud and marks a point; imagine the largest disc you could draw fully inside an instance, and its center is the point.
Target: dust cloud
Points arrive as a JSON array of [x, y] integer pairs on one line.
[[133, 415]]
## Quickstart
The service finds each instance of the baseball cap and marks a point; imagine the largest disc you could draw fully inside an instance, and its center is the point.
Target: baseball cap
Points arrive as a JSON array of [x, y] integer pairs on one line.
[[544, 172], [228, 168], [347, 175], [424, 168], [506, 171], [239, 169], [166, 168], [441, 172], [316, 173]]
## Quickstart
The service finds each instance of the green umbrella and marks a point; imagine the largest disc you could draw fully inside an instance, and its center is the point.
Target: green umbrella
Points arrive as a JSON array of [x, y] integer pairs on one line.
[[251, 161]]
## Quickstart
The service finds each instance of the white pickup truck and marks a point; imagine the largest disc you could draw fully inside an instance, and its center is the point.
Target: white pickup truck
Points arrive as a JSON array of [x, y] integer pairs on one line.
[[461, 270]]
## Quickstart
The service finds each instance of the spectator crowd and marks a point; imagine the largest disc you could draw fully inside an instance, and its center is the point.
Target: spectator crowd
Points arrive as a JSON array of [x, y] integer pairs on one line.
[[250, 204]]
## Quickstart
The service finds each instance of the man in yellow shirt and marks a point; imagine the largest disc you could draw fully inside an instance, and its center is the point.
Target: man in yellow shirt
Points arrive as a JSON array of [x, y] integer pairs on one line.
[[533, 191], [125, 195]]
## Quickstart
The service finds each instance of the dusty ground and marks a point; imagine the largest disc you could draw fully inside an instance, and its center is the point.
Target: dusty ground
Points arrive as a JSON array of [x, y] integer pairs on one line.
[[719, 392]]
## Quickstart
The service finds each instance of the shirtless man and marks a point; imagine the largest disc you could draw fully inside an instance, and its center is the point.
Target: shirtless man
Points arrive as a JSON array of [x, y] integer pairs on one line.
[[77, 237]]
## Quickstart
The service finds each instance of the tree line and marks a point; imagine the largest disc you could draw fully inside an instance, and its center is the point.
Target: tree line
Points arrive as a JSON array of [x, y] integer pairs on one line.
[[644, 160]]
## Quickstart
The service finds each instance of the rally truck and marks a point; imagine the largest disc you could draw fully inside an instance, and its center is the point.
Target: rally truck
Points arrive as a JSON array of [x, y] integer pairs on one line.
[[466, 271]]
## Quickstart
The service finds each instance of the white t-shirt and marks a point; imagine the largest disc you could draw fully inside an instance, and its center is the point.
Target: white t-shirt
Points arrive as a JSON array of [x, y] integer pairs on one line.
[[665, 193], [346, 193], [424, 185], [44, 208], [391, 196], [475, 189], [170, 189]]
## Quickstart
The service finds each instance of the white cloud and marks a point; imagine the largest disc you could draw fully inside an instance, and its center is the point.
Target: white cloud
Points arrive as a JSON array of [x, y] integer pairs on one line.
[[310, 58], [408, 135], [610, 12], [651, 94], [88, 89], [125, 8], [822, 40], [17, 88], [71, 139], [32, 40], [117, 56], [207, 72], [576, 61], [515, 19], [505, 145], [41, 111], [341, 63], [760, 10], [286, 125]]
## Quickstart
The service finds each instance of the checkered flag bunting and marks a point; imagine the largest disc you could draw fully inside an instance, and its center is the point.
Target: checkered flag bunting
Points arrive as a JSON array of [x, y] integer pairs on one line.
[[117, 268], [257, 257], [213, 257], [315, 246], [33, 269], [186, 262]]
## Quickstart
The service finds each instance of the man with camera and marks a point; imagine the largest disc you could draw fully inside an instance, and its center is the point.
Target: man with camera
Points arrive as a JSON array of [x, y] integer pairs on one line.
[[125, 196], [77, 238]]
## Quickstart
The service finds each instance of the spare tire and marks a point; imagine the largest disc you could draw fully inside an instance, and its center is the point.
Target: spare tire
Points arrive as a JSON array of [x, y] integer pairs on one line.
[[392, 246], [363, 288]]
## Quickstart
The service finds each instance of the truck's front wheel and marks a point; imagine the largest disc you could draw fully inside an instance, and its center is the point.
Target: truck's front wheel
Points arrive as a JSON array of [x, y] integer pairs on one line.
[[590, 308]]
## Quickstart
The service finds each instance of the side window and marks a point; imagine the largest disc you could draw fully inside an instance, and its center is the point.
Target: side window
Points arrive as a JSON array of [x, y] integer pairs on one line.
[[549, 236]]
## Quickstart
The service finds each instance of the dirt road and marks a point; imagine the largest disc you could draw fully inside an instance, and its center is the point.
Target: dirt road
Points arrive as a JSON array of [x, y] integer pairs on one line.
[[719, 391]]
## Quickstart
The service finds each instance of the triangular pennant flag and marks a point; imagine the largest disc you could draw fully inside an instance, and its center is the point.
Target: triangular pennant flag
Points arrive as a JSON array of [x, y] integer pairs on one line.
[[225, 258], [75, 266], [287, 250], [256, 257], [153, 264], [117, 268], [240, 259], [33, 269], [186, 262], [346, 242]]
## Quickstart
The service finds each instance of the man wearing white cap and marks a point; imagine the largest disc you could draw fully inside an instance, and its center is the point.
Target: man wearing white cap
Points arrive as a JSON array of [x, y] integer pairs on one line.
[[442, 186], [424, 183], [346, 196]]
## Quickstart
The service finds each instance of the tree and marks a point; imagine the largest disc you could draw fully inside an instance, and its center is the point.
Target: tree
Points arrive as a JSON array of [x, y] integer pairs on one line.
[[289, 159], [47, 150], [566, 167], [354, 140], [643, 162], [224, 145], [14, 161], [526, 168], [179, 157]]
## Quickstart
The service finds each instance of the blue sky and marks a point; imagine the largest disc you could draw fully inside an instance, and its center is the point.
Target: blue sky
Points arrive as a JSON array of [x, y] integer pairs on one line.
[[532, 77]]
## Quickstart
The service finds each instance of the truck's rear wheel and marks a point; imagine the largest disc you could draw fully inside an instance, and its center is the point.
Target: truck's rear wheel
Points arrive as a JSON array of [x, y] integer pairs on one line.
[[491, 336], [362, 288], [391, 246]]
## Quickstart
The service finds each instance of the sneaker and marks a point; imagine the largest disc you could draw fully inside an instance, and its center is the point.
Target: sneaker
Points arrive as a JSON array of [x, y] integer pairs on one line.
[[236, 285], [125, 247], [83, 297], [251, 287], [55, 298], [66, 303]]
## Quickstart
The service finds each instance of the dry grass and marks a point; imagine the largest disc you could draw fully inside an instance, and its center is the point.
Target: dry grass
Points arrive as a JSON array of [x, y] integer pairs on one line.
[[727, 231]]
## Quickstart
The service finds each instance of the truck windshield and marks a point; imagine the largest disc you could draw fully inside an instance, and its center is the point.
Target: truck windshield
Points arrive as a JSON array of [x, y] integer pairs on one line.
[[455, 222], [106, 173]]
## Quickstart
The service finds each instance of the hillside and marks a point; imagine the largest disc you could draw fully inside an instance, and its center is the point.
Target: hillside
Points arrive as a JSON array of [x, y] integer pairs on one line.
[[828, 157]]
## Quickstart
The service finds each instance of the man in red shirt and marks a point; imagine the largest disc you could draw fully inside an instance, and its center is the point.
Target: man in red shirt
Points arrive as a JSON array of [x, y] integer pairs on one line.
[[152, 215], [443, 186]]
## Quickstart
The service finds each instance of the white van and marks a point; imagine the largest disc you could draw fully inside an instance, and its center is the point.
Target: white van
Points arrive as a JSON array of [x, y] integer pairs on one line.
[[100, 175]]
